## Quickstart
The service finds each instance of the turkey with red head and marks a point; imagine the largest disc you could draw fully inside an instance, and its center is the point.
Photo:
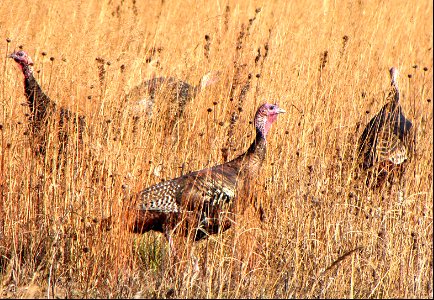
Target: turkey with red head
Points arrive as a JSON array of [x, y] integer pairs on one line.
[[201, 203], [42, 108]]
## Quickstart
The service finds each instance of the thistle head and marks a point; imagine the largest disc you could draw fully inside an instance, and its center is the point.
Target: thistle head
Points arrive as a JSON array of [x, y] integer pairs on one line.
[[23, 60], [265, 116]]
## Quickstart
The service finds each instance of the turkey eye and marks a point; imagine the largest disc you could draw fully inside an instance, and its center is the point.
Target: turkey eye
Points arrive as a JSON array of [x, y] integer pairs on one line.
[[272, 107]]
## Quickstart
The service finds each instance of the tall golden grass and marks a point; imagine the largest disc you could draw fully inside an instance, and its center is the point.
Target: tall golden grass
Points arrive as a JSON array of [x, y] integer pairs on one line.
[[325, 62]]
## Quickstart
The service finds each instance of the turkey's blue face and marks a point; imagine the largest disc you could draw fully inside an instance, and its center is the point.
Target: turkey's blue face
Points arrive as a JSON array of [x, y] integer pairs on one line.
[[21, 58]]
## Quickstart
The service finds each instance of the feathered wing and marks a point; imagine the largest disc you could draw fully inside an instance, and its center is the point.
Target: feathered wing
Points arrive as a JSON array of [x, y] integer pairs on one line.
[[385, 137], [161, 197], [390, 147], [202, 196], [209, 196], [203, 200]]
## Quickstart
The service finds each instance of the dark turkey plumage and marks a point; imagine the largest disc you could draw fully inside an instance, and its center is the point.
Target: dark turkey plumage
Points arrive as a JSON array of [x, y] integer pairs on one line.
[[202, 202], [176, 91], [42, 108], [387, 141]]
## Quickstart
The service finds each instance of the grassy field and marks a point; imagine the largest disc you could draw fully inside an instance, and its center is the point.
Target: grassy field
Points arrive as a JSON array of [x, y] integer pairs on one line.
[[325, 62]]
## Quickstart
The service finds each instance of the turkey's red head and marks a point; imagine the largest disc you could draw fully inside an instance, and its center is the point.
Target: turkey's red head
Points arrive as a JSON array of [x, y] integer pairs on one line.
[[265, 116], [24, 61], [22, 58]]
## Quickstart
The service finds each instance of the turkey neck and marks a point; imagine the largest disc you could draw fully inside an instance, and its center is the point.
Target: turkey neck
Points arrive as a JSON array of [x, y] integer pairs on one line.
[[259, 145], [395, 115], [394, 84], [36, 98], [251, 161], [394, 93]]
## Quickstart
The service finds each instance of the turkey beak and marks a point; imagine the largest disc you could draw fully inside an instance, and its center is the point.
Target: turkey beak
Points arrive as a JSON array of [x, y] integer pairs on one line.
[[281, 111], [13, 56]]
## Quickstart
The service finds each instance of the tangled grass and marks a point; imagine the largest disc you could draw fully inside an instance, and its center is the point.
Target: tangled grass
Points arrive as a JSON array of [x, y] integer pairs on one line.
[[324, 234]]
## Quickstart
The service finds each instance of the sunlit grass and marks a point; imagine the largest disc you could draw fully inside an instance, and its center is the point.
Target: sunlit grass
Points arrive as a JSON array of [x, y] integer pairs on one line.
[[326, 63]]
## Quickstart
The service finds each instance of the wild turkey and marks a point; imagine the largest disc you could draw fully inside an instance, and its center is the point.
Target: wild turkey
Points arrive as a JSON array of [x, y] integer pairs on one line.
[[42, 107], [201, 202], [177, 91], [387, 141]]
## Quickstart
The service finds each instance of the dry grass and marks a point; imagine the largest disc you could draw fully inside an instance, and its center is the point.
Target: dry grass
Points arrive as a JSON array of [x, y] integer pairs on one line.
[[315, 213]]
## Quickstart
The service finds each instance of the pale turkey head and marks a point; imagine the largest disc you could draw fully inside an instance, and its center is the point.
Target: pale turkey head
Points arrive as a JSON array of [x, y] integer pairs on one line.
[[24, 61], [22, 58], [265, 116]]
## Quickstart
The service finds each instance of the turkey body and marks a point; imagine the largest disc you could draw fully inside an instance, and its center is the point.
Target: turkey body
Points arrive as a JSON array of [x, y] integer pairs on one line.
[[385, 136], [43, 109], [387, 140], [176, 92], [203, 198], [203, 202]]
